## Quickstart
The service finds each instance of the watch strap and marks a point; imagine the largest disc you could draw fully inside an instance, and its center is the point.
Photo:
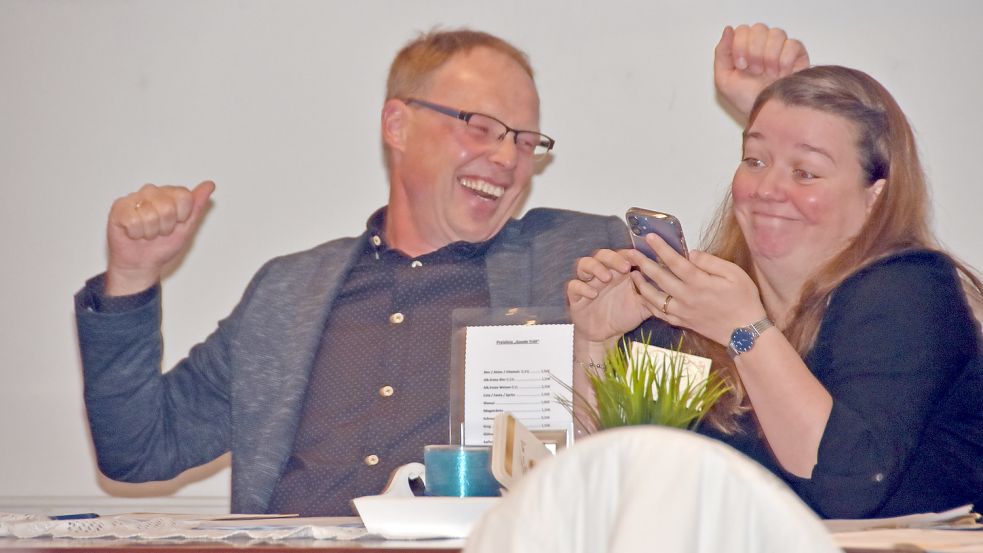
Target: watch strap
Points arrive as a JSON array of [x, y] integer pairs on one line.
[[761, 326]]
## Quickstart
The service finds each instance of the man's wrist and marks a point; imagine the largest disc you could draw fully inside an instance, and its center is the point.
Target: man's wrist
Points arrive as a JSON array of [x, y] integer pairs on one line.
[[120, 282]]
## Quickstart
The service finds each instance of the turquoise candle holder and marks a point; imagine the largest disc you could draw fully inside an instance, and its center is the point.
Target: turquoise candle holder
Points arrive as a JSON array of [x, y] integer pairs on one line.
[[459, 471]]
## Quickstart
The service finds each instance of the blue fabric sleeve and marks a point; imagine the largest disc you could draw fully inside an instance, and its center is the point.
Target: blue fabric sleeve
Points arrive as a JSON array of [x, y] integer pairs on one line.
[[148, 425], [93, 297]]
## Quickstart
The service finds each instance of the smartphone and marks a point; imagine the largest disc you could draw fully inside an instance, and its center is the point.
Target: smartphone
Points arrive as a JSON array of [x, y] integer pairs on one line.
[[644, 221]]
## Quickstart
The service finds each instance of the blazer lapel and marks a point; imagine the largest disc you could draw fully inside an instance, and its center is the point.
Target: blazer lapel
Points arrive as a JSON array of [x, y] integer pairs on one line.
[[288, 357]]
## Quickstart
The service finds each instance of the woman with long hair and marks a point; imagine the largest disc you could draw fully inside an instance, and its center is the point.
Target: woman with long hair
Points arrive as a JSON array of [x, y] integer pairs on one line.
[[823, 300]]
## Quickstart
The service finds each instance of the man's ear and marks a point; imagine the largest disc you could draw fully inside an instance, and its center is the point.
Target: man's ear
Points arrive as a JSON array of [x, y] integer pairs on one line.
[[395, 119], [873, 191]]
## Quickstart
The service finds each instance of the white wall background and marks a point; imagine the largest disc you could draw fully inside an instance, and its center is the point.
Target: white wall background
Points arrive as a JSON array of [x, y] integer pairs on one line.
[[278, 102]]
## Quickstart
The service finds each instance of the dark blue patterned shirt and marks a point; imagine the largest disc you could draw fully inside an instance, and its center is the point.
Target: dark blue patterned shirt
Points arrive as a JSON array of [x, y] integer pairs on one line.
[[378, 390]]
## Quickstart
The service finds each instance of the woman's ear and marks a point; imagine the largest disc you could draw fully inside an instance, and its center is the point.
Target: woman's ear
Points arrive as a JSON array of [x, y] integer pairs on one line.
[[395, 114], [873, 191]]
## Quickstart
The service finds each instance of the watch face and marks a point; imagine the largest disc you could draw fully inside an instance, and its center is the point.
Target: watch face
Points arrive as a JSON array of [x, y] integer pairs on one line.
[[742, 340]]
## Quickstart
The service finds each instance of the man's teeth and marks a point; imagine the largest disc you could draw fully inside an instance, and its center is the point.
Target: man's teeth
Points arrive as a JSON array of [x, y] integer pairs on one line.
[[484, 188]]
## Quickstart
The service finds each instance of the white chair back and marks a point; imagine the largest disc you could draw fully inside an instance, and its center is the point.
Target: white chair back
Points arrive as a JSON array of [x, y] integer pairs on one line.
[[650, 489]]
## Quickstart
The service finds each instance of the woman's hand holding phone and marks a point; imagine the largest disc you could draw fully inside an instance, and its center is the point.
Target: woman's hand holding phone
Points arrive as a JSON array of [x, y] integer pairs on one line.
[[669, 283], [604, 302], [703, 293], [602, 299], [616, 290]]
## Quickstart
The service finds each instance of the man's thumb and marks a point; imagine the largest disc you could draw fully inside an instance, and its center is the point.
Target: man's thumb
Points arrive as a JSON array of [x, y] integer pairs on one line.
[[201, 194]]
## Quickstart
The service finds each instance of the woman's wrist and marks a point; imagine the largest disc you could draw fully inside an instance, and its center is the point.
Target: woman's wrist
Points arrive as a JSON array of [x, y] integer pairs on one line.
[[589, 352]]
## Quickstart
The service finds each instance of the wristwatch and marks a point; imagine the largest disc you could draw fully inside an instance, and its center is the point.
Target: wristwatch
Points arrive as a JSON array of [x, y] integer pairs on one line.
[[742, 339]]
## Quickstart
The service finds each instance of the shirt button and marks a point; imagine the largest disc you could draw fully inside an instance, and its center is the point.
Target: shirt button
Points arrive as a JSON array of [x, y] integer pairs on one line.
[[416, 263], [371, 460], [376, 241], [879, 477], [386, 391], [396, 318]]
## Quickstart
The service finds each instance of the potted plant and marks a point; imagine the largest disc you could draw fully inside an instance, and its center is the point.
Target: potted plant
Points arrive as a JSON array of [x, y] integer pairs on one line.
[[638, 384]]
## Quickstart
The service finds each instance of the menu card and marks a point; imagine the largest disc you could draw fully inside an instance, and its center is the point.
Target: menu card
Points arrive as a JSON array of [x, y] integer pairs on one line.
[[520, 369]]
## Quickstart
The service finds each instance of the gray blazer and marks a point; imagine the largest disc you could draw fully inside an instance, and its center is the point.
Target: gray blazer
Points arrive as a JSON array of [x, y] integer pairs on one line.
[[243, 388]]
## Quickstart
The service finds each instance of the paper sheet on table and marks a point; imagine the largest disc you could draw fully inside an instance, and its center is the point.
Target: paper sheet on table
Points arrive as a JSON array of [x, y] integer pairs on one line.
[[913, 539], [953, 531], [962, 518]]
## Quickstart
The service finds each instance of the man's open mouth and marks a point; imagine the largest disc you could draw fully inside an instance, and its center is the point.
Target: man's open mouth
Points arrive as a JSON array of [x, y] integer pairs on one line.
[[483, 188]]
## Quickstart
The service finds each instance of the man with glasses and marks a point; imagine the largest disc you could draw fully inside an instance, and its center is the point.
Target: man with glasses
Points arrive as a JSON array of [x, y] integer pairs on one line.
[[333, 369]]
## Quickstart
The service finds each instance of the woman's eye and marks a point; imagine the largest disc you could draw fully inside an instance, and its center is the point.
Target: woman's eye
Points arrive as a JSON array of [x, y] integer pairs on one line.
[[803, 174], [753, 162]]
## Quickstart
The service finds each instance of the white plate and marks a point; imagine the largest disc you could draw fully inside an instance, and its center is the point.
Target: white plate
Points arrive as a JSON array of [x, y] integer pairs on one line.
[[421, 517]]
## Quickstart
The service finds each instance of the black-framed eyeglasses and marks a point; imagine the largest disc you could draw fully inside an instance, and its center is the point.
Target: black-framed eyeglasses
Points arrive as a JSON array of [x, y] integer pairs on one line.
[[486, 130]]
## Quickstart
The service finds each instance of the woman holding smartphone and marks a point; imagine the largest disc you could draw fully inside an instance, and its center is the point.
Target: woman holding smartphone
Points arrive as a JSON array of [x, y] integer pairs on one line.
[[823, 299]]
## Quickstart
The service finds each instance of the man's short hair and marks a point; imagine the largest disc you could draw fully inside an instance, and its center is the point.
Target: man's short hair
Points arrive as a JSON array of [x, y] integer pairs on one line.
[[416, 62]]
